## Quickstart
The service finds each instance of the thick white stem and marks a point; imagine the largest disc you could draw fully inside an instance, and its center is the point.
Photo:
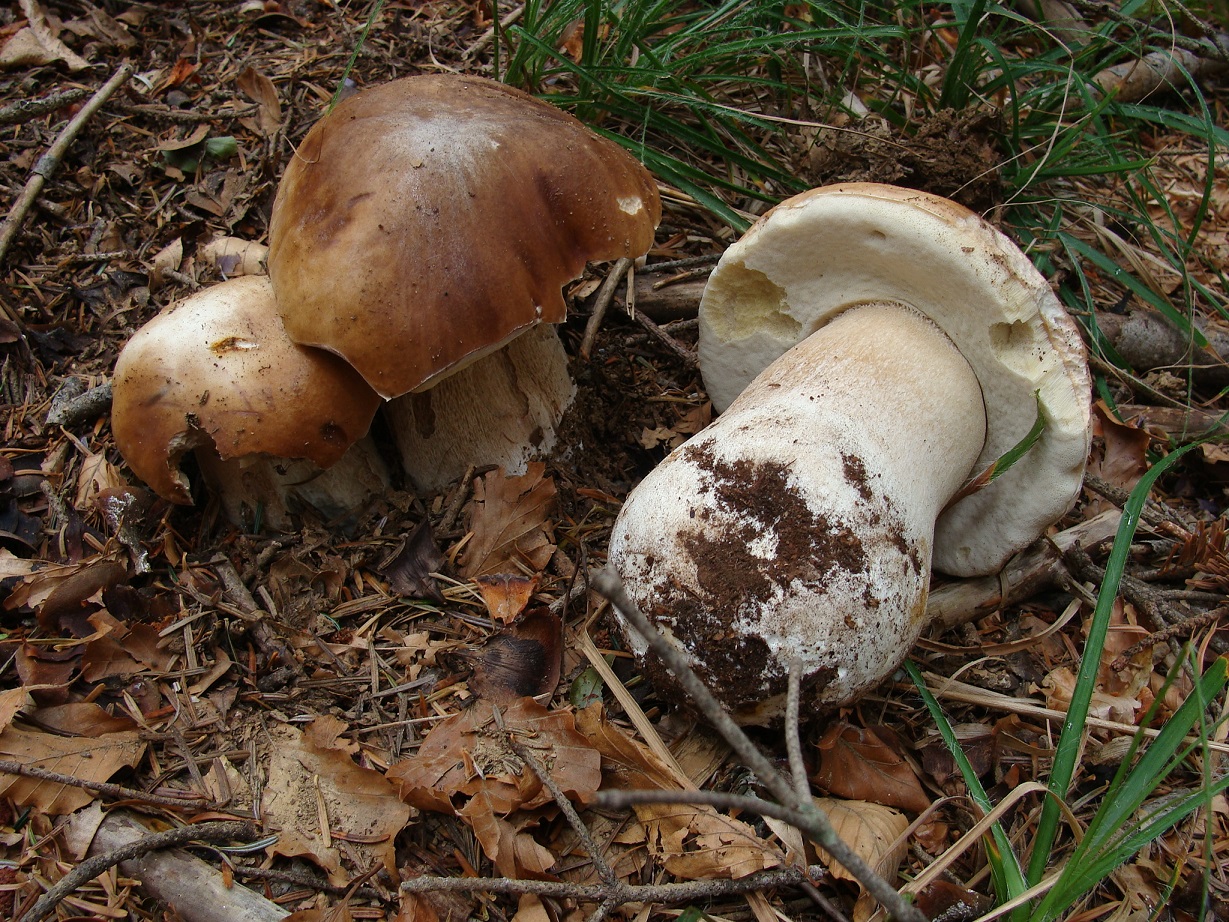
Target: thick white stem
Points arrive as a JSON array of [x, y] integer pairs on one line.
[[801, 522], [502, 409]]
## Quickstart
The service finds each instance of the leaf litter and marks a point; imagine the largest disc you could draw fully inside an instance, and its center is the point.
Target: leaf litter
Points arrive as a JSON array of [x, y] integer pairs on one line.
[[344, 679]]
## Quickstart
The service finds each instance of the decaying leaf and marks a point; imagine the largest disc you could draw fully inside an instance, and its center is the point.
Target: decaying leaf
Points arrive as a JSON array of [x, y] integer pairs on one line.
[[506, 594], [859, 764], [84, 758], [316, 792], [234, 256], [467, 767], [870, 830], [260, 89], [523, 660], [1124, 458], [409, 568], [509, 519], [695, 842], [37, 45]]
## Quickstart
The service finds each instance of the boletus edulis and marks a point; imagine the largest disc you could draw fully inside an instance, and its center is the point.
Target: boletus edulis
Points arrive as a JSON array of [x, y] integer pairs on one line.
[[872, 349]]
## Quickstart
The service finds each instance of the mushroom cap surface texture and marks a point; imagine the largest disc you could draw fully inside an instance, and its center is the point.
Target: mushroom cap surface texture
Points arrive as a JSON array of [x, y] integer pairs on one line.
[[836, 247], [426, 222], [217, 369]]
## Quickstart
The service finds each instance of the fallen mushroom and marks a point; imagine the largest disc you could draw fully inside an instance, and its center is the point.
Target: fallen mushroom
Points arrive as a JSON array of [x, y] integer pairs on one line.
[[422, 228], [215, 373], [872, 348]]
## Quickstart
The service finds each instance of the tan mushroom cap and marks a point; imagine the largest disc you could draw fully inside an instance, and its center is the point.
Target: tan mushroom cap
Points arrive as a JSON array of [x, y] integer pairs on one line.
[[218, 369], [426, 222]]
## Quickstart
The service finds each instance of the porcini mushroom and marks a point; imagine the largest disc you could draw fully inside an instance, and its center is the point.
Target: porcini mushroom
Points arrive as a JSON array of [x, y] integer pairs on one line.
[[216, 373], [872, 349], [425, 225]]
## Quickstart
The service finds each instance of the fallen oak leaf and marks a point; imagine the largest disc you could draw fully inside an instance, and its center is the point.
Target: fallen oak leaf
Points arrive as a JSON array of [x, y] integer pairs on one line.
[[509, 521], [870, 830], [692, 841], [857, 763]]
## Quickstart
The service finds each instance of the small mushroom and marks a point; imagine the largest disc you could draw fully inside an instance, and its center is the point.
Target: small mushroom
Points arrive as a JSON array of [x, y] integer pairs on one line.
[[426, 224], [873, 348], [215, 372]]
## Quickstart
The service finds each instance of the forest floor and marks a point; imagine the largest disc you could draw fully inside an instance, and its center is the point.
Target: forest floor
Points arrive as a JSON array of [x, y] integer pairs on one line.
[[210, 673]]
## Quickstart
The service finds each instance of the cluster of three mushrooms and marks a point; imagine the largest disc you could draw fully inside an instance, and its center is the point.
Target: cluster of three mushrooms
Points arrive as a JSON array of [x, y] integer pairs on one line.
[[419, 243], [872, 349]]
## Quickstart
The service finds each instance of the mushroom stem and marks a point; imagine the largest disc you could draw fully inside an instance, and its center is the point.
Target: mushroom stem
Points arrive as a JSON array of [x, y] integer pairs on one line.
[[502, 409], [801, 522]]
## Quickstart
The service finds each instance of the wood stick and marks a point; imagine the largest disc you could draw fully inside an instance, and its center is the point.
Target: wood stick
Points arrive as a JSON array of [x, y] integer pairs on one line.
[[50, 161]]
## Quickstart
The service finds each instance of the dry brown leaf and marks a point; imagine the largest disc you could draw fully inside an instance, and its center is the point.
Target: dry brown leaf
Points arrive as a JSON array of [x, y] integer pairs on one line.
[[509, 519], [85, 759], [467, 754], [694, 842], [869, 829], [523, 660], [506, 841], [409, 568], [96, 475], [506, 594], [313, 782], [858, 764], [12, 700], [260, 89], [466, 767], [1124, 459], [36, 45]]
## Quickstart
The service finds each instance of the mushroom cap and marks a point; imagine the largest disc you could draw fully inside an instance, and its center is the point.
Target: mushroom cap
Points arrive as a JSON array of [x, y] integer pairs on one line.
[[426, 222], [836, 247], [217, 368]]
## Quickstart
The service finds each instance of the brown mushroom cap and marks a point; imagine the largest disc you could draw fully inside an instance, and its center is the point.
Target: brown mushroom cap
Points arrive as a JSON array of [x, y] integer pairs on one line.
[[446, 212], [217, 368]]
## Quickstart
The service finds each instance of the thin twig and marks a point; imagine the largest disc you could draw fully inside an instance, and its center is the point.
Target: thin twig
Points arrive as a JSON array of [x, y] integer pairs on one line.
[[50, 161], [793, 741], [807, 817], [687, 356], [173, 838], [637, 893], [185, 801], [601, 302], [25, 110]]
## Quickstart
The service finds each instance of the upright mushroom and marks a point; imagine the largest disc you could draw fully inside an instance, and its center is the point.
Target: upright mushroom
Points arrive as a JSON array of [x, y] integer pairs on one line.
[[872, 349], [425, 225], [215, 373]]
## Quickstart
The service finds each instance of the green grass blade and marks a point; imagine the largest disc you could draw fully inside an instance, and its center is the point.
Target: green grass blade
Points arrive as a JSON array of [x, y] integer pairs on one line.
[[1067, 750], [1005, 870]]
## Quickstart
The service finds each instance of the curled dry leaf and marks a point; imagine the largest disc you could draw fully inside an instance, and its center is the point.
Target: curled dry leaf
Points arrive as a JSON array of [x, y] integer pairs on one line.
[[694, 842], [509, 519], [467, 767], [409, 568], [506, 594], [1123, 459], [870, 830], [866, 764], [523, 660]]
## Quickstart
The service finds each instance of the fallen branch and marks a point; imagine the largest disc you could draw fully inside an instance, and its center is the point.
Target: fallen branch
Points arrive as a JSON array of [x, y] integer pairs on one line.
[[605, 295], [194, 888], [50, 161]]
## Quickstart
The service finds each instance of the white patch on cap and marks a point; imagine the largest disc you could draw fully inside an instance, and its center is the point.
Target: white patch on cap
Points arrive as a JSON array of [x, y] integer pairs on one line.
[[631, 204]]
